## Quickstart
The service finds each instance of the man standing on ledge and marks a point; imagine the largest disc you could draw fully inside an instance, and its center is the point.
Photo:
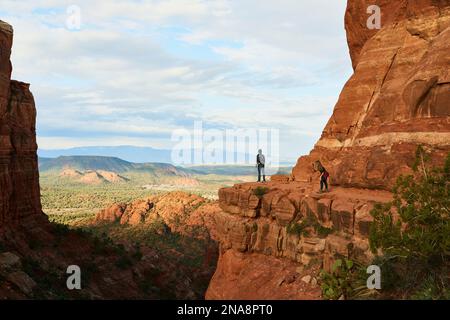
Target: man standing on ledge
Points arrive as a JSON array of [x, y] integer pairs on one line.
[[260, 163]]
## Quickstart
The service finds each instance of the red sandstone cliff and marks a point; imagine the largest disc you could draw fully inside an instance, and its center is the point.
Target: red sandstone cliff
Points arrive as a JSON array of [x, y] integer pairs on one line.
[[19, 178], [398, 98]]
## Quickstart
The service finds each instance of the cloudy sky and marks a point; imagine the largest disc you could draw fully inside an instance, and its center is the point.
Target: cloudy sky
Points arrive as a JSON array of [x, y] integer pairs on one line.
[[135, 71]]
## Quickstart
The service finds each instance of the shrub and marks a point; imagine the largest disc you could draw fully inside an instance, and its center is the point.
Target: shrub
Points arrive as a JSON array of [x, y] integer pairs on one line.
[[338, 283], [124, 262], [347, 280], [298, 228], [137, 255], [60, 230], [429, 290], [260, 191], [415, 242], [323, 231]]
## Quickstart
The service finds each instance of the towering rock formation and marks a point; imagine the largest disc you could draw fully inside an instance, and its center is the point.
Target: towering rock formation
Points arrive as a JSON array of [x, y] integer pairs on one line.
[[34, 253], [19, 177], [274, 240], [398, 97]]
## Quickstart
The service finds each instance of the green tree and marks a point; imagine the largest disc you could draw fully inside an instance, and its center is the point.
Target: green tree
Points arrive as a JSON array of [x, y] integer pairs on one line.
[[413, 232]]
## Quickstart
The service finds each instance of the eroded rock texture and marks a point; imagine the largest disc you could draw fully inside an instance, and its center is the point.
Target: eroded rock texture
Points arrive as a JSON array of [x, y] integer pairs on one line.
[[19, 178], [297, 230], [273, 242], [174, 208], [398, 97]]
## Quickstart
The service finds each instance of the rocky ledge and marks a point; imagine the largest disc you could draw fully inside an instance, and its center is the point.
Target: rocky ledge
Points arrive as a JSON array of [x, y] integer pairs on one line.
[[288, 224]]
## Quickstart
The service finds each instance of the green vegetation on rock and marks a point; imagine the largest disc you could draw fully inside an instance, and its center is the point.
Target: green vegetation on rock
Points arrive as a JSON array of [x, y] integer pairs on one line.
[[415, 241]]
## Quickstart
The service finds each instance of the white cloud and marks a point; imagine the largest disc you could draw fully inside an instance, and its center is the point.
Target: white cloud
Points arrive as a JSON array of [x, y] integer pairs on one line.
[[148, 67]]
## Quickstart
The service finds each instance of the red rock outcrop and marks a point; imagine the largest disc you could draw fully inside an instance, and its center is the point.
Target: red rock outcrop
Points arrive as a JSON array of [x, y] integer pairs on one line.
[[397, 99], [249, 275], [178, 210], [304, 230], [19, 177]]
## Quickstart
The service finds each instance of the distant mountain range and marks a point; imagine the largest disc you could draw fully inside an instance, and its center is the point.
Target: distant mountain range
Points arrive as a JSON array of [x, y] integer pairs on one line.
[[127, 153], [131, 154], [114, 164], [234, 170]]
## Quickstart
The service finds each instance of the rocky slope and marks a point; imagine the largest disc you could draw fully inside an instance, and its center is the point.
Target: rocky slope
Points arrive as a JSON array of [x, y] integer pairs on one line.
[[175, 209], [275, 237], [174, 224]]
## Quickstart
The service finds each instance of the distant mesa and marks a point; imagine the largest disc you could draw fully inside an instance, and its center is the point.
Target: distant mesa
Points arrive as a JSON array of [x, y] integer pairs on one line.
[[92, 176], [70, 173], [98, 170], [127, 153], [83, 163]]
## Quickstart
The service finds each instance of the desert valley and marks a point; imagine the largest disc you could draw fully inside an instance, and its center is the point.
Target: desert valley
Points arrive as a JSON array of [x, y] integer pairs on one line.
[[160, 231]]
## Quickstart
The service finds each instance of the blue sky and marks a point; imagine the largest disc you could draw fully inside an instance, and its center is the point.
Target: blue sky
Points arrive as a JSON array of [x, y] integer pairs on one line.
[[138, 70]]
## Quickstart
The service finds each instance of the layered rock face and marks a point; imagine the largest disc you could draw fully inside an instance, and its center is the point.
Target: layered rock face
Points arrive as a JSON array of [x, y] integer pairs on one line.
[[275, 237], [19, 178], [174, 209], [397, 99], [290, 232]]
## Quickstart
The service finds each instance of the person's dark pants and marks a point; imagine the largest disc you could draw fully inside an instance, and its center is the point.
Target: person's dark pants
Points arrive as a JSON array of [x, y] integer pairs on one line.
[[262, 171], [323, 183]]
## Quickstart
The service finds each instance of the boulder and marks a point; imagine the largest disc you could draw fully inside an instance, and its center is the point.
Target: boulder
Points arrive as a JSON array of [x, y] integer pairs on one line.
[[280, 178], [342, 215], [9, 260], [22, 281], [363, 220], [112, 214]]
